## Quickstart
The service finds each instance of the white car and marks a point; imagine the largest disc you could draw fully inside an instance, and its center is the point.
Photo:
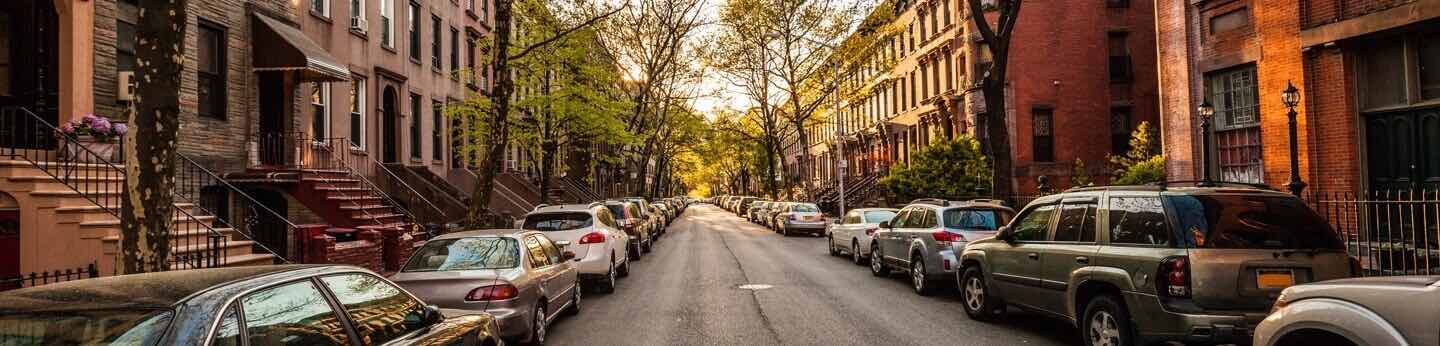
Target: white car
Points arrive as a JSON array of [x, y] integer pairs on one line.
[[594, 235], [1395, 310], [852, 234]]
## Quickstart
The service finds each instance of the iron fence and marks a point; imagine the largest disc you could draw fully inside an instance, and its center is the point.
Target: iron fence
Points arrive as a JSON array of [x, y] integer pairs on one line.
[[1389, 232], [48, 277]]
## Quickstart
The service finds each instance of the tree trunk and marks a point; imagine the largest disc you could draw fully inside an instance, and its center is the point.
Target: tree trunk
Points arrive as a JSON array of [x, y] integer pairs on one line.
[[147, 201], [803, 162], [499, 121]]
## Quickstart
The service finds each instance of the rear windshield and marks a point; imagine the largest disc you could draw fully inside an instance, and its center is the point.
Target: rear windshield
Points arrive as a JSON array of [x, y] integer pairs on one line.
[[551, 222], [978, 219], [804, 208], [879, 216], [1251, 222], [90, 327], [465, 254], [617, 209]]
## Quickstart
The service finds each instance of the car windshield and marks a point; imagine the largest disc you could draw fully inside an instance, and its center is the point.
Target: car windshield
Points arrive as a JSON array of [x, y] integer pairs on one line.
[[552, 222], [465, 254], [1251, 222], [981, 219], [879, 216], [804, 208], [88, 327]]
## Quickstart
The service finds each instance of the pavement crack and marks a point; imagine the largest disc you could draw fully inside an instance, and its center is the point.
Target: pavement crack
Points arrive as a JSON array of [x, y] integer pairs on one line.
[[754, 294]]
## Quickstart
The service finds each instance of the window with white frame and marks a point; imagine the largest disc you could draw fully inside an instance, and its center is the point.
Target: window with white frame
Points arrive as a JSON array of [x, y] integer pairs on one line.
[[357, 112], [320, 111], [387, 23], [357, 10], [321, 7]]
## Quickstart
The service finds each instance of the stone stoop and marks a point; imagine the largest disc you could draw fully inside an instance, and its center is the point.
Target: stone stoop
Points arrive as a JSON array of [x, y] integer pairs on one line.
[[76, 231]]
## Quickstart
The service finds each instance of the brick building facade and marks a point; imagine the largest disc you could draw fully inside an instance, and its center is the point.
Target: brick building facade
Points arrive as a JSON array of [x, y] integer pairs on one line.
[[1366, 70]]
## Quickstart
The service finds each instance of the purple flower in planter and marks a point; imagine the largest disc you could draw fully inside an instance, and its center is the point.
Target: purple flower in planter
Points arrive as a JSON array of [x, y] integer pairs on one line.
[[100, 127], [88, 118], [67, 129], [119, 129]]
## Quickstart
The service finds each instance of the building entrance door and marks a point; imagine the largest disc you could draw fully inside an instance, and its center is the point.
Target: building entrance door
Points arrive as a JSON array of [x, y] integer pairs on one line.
[[1404, 150], [29, 71]]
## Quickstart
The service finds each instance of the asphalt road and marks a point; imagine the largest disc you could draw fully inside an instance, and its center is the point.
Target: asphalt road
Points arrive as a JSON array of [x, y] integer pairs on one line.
[[687, 292]]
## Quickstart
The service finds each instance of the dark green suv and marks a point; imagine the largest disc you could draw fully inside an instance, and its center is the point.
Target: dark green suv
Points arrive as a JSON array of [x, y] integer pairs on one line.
[[1144, 264]]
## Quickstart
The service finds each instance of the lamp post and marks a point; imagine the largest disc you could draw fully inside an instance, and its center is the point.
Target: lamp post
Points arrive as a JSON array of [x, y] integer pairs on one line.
[[1207, 112], [1291, 97]]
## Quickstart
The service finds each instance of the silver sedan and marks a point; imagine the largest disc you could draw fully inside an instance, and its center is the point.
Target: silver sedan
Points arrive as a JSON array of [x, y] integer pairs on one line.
[[521, 277], [853, 232], [1397, 310]]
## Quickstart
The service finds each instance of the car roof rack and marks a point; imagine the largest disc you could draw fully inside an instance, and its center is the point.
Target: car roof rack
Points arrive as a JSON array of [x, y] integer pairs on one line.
[[1213, 183], [931, 201]]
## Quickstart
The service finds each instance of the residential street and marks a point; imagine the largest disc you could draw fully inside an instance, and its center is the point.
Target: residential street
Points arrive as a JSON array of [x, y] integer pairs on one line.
[[685, 293]]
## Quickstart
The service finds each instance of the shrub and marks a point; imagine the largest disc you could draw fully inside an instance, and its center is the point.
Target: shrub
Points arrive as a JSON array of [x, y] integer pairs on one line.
[[953, 169]]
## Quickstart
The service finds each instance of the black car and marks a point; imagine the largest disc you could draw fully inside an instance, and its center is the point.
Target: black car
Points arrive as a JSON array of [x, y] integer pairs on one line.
[[259, 305]]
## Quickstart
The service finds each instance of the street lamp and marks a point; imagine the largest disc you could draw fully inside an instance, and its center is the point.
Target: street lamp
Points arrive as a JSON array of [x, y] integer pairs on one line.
[[1291, 97], [1207, 112]]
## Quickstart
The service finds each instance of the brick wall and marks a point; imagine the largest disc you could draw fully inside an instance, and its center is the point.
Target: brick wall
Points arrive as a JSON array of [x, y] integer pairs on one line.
[[1336, 149], [1320, 12], [1177, 122], [364, 252]]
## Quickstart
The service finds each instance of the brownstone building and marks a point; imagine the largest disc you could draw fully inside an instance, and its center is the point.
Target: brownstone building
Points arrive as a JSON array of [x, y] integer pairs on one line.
[[1368, 73]]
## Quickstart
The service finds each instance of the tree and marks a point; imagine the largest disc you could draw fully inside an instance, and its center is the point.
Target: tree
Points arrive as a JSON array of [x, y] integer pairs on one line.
[[1079, 175], [992, 85], [951, 169], [1143, 164], [147, 201]]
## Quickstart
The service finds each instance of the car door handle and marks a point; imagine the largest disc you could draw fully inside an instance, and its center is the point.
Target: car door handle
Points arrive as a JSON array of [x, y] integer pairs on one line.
[[1033, 256], [1082, 260]]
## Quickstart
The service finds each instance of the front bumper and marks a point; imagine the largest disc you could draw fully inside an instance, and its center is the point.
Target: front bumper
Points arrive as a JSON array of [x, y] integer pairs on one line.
[[1163, 325]]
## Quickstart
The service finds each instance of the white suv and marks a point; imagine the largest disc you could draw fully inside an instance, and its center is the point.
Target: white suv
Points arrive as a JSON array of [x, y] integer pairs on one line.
[[595, 237]]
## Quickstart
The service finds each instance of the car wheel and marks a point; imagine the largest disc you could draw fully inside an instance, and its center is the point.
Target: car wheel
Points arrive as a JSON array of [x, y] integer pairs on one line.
[[855, 253], [537, 327], [635, 253], [625, 269], [575, 299], [607, 284], [784, 232], [918, 279], [980, 305], [830, 243], [647, 245], [1107, 323], [877, 262]]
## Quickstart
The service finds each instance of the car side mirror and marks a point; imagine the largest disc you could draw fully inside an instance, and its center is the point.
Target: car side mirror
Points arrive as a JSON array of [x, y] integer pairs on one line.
[[1005, 234], [567, 255], [885, 224]]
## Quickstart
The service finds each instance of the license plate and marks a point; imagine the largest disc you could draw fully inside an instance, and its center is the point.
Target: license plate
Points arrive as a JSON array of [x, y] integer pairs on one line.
[[1274, 278]]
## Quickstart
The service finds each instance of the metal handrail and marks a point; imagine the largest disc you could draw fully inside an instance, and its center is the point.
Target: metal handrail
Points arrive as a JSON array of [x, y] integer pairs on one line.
[[375, 189], [415, 194], [187, 162], [432, 187]]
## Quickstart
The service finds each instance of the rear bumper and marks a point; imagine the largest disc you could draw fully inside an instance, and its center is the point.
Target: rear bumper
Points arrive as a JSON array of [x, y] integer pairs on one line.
[[514, 324], [817, 227], [1162, 325], [596, 262]]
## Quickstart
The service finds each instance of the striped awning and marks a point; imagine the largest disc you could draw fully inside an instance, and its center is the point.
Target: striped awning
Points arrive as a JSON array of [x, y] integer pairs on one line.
[[283, 47]]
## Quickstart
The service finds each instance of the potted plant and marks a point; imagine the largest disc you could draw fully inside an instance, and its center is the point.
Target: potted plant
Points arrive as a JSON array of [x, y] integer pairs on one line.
[[95, 133]]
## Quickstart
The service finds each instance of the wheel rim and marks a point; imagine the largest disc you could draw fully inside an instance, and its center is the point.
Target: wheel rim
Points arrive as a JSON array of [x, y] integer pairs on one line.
[[1104, 331], [974, 294], [917, 274], [855, 252], [540, 325], [875, 260], [576, 304]]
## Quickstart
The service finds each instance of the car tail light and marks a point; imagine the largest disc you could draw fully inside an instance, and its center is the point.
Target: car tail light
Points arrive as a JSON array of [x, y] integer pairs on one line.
[[792, 217], [593, 238], [945, 236], [870, 231], [492, 292], [1174, 277]]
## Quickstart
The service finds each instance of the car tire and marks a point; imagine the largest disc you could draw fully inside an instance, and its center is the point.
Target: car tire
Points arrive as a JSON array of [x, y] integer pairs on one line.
[[830, 243], [635, 253], [877, 262], [575, 300], [984, 306], [645, 246], [919, 279], [624, 269], [607, 283], [784, 232], [855, 255], [538, 325], [1106, 322]]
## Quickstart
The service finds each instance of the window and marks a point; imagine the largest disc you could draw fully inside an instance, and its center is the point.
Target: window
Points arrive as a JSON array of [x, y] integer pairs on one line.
[[415, 125], [357, 11], [924, 81], [210, 85], [1229, 21], [461, 254], [1120, 65], [320, 111], [321, 7], [976, 219], [1251, 222], [536, 252], [470, 58], [1138, 220], [437, 112], [1077, 222], [912, 89], [457, 142], [1043, 135], [292, 314], [1034, 224], [1119, 130], [124, 46], [946, 9], [435, 42], [949, 73], [1237, 124], [387, 23], [379, 310], [550, 250], [413, 18], [557, 222], [1117, 3], [454, 52], [228, 332], [357, 112], [878, 215], [1429, 61]]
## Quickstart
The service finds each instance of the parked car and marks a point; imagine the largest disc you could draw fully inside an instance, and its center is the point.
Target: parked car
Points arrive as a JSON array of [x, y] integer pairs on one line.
[[1397, 310], [521, 277], [759, 210], [599, 244], [745, 204], [652, 224], [853, 232], [282, 304], [801, 218], [771, 212], [925, 238], [627, 214], [1143, 264]]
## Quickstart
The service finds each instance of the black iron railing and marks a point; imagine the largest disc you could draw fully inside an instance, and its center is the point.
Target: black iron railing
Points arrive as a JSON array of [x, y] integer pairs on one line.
[[1390, 232], [199, 186], [49, 277]]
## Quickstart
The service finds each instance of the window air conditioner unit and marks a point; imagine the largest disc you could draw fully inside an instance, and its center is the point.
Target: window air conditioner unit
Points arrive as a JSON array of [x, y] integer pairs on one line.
[[125, 86], [511, 165], [359, 24]]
